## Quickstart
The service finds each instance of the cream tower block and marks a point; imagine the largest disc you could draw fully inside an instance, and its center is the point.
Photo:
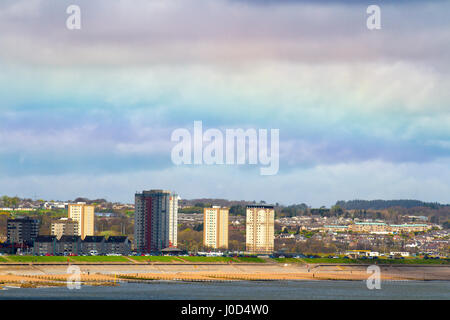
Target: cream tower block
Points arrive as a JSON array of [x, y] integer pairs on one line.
[[215, 227], [260, 229], [84, 215], [64, 227]]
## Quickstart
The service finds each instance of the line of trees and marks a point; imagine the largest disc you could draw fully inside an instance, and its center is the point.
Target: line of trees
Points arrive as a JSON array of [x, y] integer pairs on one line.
[[10, 202], [386, 204]]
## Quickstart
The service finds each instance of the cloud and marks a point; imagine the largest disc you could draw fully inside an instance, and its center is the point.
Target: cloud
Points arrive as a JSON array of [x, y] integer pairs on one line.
[[326, 113], [321, 185], [100, 103], [224, 32]]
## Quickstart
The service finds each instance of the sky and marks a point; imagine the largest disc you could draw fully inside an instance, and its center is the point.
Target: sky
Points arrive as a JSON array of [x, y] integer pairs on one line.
[[362, 114]]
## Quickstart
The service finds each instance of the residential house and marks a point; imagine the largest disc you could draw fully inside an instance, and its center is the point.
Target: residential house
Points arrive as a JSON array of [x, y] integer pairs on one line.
[[118, 245], [44, 245], [92, 244]]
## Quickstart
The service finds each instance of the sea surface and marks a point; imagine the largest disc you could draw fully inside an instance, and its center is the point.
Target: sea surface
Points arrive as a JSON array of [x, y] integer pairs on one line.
[[251, 290]]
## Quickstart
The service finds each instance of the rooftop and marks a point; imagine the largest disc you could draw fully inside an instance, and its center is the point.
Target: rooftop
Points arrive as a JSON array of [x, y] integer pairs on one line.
[[45, 238], [93, 239], [116, 239], [264, 206]]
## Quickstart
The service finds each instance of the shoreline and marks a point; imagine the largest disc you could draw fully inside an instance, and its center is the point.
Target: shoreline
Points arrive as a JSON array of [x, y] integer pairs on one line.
[[109, 274], [217, 263]]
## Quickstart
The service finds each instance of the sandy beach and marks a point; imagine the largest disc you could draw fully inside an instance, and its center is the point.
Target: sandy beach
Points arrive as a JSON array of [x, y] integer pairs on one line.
[[110, 274]]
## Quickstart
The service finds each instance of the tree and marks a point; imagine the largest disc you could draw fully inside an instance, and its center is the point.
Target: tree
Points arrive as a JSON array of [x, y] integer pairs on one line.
[[237, 210], [14, 202], [6, 201], [202, 205], [337, 210]]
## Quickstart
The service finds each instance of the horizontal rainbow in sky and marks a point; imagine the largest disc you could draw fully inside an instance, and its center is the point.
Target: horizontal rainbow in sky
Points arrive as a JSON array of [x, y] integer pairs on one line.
[[361, 113]]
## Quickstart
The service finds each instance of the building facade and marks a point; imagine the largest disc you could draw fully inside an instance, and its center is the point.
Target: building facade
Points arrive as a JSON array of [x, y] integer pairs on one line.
[[93, 245], [336, 228], [260, 229], [73, 245], [384, 228], [155, 220], [68, 245], [398, 228], [379, 227], [45, 245], [84, 215], [64, 227], [23, 230], [215, 227], [118, 245]]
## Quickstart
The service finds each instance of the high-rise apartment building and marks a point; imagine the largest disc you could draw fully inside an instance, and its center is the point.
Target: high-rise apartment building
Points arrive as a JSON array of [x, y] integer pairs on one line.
[[23, 230], [155, 220], [84, 215], [260, 229], [64, 227], [215, 227]]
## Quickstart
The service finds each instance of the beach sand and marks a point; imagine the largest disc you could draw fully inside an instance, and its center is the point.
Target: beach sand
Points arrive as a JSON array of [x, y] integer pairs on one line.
[[110, 274]]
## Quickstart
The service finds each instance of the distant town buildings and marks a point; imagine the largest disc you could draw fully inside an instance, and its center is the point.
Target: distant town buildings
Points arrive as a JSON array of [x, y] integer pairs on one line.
[[22, 230], [409, 227], [215, 227], [54, 205], [260, 228], [336, 228], [379, 227], [64, 227], [84, 215], [21, 209], [155, 220]]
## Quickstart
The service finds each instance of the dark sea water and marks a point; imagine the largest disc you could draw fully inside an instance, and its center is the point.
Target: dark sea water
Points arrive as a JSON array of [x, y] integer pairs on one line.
[[253, 290]]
